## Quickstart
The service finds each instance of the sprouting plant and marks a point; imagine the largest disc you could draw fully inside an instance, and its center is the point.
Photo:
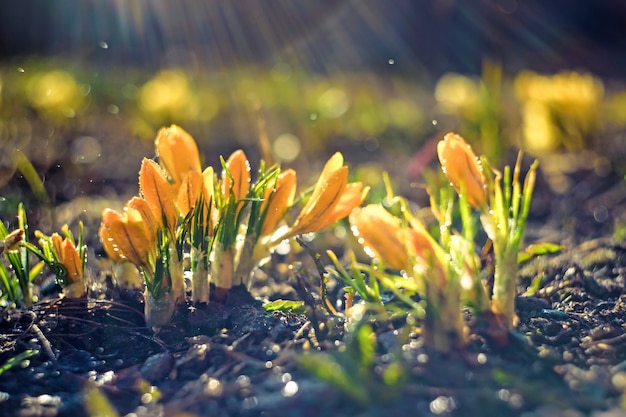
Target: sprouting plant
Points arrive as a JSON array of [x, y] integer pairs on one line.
[[423, 260], [446, 270], [229, 224], [503, 203], [16, 281], [66, 256], [136, 235], [353, 368]]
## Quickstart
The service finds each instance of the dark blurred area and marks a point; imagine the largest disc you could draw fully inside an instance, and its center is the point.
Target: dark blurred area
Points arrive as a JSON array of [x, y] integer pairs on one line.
[[428, 37]]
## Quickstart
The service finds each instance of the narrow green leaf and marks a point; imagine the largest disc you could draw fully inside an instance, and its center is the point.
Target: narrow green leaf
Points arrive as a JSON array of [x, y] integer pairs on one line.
[[537, 249], [285, 306]]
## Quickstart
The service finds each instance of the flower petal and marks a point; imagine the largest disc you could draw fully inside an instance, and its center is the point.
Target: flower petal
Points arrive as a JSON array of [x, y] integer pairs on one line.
[[156, 191], [189, 192], [278, 200], [142, 206], [326, 195], [462, 168], [177, 152], [352, 196], [380, 234], [71, 261], [239, 179]]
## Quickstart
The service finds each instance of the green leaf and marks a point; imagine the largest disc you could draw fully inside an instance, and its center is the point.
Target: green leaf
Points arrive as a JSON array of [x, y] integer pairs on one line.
[[325, 367], [285, 306], [537, 249], [17, 360]]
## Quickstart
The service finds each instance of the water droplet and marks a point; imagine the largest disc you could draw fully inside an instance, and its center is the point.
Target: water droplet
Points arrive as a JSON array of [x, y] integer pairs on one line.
[[213, 387], [103, 45], [391, 61], [434, 122], [250, 402], [290, 389], [20, 69], [442, 404]]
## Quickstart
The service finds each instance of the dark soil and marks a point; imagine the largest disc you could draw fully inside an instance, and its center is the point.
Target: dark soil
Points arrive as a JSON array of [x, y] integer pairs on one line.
[[235, 359], [567, 356]]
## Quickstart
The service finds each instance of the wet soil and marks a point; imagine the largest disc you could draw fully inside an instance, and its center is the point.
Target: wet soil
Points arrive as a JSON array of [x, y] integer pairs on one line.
[[567, 356]]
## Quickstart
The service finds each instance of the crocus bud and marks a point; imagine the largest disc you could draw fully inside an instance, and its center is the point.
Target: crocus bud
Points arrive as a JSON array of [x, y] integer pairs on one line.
[[463, 169], [177, 152], [380, 234]]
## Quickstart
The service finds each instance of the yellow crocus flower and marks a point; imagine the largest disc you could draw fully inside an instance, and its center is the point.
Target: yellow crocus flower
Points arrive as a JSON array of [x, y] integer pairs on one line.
[[463, 169], [156, 191], [332, 199], [108, 243], [238, 182], [239, 179], [68, 256], [189, 191], [427, 252], [178, 153], [129, 235], [380, 234], [194, 185], [278, 200]]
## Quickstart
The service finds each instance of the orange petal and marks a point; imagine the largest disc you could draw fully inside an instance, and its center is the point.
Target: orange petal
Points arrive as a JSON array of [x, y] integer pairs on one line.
[[326, 195], [129, 234], [461, 166], [71, 261], [352, 196], [208, 184], [142, 206], [333, 164], [156, 191], [239, 168], [57, 240], [177, 152], [428, 251], [189, 191], [278, 200], [381, 235], [108, 243]]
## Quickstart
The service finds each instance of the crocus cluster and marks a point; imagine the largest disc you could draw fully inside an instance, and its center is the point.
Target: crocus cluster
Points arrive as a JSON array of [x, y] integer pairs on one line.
[[227, 223], [447, 269], [66, 256]]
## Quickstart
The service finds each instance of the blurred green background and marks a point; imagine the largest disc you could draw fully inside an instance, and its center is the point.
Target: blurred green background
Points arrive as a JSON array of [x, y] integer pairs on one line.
[[84, 86]]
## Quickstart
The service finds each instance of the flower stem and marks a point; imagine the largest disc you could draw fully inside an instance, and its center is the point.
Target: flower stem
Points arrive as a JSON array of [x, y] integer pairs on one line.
[[200, 279], [504, 286]]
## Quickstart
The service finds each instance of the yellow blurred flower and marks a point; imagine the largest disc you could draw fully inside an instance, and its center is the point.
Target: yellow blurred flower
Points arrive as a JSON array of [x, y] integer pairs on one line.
[[380, 234], [558, 110], [428, 254], [463, 169], [457, 94], [55, 94]]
